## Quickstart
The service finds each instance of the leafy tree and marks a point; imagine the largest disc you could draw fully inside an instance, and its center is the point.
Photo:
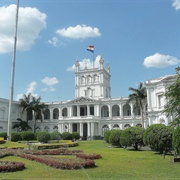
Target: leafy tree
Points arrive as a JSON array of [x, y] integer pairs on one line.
[[176, 140], [115, 137], [55, 135], [173, 100], [106, 135], [66, 136], [139, 96], [22, 125], [132, 136], [158, 137], [75, 135]]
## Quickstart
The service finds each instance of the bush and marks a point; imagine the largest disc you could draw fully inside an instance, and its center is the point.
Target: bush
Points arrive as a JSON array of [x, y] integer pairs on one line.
[[66, 136], [132, 136], [158, 137], [43, 137], [106, 135], [16, 136], [36, 134], [114, 137], [4, 135], [176, 140], [2, 140], [55, 135], [75, 135], [27, 135]]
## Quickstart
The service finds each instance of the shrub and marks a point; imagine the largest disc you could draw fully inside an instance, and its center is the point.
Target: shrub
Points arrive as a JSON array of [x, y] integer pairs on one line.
[[16, 136], [66, 136], [2, 140], [114, 137], [75, 135], [4, 135], [132, 136], [7, 166], [43, 137], [55, 135], [36, 134], [27, 135], [158, 137], [106, 135], [176, 140]]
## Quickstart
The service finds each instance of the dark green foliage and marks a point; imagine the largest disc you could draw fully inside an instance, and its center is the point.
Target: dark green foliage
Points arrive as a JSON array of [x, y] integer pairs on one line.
[[75, 135], [55, 135], [176, 140], [43, 137], [158, 137], [27, 135], [132, 136], [106, 135], [23, 125], [36, 134], [4, 135], [66, 136], [114, 137], [15, 136]]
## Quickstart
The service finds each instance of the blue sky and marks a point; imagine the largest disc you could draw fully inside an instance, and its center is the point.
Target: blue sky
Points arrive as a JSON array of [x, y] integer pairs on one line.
[[140, 39]]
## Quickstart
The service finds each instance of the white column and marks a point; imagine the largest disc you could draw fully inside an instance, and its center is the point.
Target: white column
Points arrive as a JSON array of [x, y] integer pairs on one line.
[[81, 129], [121, 110], [110, 109], [89, 129], [78, 111], [132, 113], [60, 112], [92, 129], [51, 114], [88, 110], [99, 129], [70, 127], [120, 126], [97, 110], [70, 111]]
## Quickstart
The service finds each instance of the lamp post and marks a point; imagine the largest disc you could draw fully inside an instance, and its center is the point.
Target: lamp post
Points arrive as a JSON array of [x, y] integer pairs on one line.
[[12, 75]]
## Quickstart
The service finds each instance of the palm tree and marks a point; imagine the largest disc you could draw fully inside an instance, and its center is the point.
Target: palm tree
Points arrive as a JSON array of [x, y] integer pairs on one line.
[[22, 125], [37, 108], [31, 103], [139, 96], [25, 102]]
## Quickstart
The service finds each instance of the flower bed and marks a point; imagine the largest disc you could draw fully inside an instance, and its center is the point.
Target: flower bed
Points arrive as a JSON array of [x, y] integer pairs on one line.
[[60, 163], [89, 156], [54, 146], [8, 166], [62, 151]]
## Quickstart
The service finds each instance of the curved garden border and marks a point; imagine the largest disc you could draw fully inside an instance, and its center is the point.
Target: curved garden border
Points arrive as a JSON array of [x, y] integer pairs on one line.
[[11, 166]]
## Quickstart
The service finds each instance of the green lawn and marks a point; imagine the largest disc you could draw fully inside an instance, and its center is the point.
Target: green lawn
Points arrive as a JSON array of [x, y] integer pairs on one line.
[[116, 163]]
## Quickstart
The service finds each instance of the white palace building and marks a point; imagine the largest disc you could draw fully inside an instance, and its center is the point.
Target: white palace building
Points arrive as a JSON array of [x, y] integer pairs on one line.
[[93, 110]]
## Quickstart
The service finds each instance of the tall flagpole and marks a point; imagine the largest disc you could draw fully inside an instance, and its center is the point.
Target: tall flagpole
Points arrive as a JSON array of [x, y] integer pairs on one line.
[[12, 75]]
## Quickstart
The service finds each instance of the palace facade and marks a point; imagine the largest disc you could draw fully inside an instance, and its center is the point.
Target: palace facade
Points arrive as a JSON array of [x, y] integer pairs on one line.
[[93, 110]]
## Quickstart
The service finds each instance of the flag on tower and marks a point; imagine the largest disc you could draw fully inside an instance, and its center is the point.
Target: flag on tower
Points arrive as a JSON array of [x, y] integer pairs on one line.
[[90, 48]]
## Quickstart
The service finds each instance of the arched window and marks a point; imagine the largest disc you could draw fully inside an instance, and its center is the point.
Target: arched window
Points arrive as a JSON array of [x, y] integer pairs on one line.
[[64, 112], [115, 110], [126, 110], [127, 126], [47, 114], [104, 129], [139, 125], [56, 113], [116, 126], [104, 111], [46, 129]]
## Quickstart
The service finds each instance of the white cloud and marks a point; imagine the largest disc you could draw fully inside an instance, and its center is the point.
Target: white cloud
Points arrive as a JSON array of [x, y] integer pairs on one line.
[[86, 63], [160, 61], [79, 32], [52, 89], [176, 4], [30, 89], [49, 81], [31, 22], [54, 41]]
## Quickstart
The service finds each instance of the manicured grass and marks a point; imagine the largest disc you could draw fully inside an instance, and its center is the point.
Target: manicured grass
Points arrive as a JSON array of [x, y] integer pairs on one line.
[[116, 163]]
